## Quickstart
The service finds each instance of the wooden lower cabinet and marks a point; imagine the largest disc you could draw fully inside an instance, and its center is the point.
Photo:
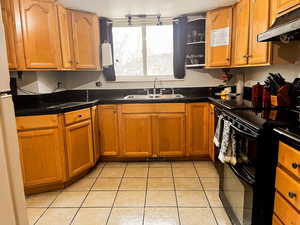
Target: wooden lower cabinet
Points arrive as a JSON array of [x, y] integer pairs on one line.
[[211, 132], [96, 133], [41, 154], [169, 134], [109, 130], [197, 129], [136, 135], [79, 143]]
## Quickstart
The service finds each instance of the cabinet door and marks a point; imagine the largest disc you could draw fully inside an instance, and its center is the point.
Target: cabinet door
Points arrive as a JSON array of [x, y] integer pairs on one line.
[[96, 134], [197, 129], [41, 36], [86, 46], [136, 135], [211, 128], [65, 31], [41, 153], [240, 35], [109, 130], [218, 27], [284, 5], [259, 22], [169, 134], [79, 144], [10, 34]]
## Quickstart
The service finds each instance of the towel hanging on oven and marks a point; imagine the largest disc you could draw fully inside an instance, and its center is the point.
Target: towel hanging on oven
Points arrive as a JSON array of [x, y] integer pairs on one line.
[[227, 152], [219, 131]]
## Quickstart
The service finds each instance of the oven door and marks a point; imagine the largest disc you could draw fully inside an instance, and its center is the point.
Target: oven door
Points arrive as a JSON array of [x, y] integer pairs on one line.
[[236, 194]]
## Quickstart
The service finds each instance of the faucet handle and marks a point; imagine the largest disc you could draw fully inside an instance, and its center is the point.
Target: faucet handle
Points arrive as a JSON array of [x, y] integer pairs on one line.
[[173, 91], [147, 90], [161, 91]]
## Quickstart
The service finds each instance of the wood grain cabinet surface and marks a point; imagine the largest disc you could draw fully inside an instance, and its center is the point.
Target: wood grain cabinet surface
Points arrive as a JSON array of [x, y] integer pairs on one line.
[[96, 133], [284, 6], [218, 55]]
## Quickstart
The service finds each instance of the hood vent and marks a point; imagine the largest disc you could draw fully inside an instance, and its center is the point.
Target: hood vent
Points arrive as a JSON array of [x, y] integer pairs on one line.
[[285, 29]]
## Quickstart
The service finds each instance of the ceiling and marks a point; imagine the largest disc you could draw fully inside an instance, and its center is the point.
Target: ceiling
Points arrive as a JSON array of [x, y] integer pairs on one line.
[[167, 8]]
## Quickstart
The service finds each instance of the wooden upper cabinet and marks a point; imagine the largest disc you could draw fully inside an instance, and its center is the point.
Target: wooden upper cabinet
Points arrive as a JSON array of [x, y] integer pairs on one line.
[[10, 33], [218, 37], [109, 130], [259, 52], [285, 5], [136, 135], [79, 143], [86, 40], [197, 129], [65, 31], [169, 134], [40, 34], [240, 35]]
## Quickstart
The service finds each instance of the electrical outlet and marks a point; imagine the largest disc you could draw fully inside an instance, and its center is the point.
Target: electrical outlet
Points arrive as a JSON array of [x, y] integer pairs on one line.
[[98, 84]]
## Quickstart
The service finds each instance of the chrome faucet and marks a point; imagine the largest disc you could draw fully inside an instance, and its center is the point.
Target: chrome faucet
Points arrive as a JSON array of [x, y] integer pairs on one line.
[[154, 86]]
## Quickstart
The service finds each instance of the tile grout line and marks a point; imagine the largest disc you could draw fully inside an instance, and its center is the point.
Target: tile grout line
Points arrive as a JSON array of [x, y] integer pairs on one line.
[[111, 209], [179, 219], [147, 180], [90, 189], [206, 196]]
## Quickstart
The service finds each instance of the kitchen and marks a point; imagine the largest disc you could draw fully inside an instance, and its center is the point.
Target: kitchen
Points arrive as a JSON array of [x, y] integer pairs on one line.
[[129, 112]]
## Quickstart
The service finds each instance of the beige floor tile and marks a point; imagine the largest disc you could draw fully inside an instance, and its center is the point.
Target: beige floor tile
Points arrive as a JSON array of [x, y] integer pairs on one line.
[[34, 214], [184, 172], [69, 199], [57, 216], [221, 216], [210, 183], [207, 172], [191, 199], [161, 216], [187, 184], [91, 216], [116, 164], [100, 164], [203, 164], [126, 216], [183, 164], [100, 199], [131, 184], [160, 172], [41, 200], [160, 183], [84, 184], [214, 199], [138, 165], [160, 198], [112, 172], [193, 216], [160, 164], [130, 199], [94, 173], [136, 172], [108, 184]]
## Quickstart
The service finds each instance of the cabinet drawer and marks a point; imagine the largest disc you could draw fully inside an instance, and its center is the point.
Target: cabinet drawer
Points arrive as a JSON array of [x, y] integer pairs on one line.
[[154, 108], [288, 187], [76, 116], [36, 122], [285, 212], [289, 158], [276, 221]]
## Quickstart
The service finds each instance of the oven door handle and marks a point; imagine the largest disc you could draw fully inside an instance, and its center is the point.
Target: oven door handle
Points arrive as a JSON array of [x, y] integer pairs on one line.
[[250, 135], [245, 179]]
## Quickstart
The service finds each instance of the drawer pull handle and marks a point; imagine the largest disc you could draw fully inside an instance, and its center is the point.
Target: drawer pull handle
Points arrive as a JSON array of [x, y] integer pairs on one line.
[[292, 195], [79, 116], [295, 165]]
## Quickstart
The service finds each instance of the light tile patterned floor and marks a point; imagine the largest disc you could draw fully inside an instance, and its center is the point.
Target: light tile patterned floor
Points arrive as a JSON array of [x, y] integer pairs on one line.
[[137, 193]]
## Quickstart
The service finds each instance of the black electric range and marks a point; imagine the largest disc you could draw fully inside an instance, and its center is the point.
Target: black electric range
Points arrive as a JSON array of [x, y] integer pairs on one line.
[[247, 189]]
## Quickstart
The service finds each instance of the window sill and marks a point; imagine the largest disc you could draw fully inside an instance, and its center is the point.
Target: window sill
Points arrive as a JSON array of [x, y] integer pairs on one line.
[[145, 79]]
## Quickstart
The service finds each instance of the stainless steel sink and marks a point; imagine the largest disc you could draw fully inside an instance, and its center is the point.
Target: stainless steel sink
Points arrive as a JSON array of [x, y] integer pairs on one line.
[[142, 97]]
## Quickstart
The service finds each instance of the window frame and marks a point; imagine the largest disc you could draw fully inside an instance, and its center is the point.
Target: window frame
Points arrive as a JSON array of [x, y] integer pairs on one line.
[[145, 76]]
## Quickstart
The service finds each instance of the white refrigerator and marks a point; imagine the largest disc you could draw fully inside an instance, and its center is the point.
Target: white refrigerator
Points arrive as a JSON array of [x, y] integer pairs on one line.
[[12, 200]]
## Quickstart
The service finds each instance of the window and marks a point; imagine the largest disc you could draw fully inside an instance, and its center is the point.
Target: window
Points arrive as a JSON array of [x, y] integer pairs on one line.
[[143, 51]]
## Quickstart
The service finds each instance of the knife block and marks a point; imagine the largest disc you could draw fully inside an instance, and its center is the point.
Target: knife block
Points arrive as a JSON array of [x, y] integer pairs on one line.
[[282, 98]]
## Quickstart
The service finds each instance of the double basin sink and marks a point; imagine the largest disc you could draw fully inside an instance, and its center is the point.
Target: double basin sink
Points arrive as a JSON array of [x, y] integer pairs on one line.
[[151, 96]]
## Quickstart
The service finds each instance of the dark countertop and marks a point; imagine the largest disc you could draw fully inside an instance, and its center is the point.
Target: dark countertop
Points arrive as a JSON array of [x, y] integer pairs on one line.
[[290, 136], [67, 101]]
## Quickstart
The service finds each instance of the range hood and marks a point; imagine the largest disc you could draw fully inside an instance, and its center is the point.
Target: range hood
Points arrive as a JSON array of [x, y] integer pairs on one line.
[[285, 29]]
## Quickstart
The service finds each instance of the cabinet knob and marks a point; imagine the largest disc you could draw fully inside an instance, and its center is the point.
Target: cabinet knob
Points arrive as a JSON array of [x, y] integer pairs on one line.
[[295, 165], [292, 195], [227, 59], [79, 116]]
